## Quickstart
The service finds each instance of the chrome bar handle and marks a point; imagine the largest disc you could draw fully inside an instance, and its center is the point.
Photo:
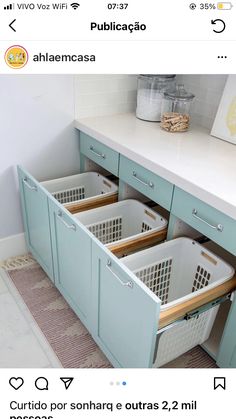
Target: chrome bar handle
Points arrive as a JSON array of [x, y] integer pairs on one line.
[[71, 227], [218, 227], [102, 155], [32, 188], [125, 284], [150, 184]]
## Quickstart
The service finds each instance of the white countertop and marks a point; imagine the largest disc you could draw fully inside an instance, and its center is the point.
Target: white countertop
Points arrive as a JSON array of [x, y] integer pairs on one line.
[[196, 162]]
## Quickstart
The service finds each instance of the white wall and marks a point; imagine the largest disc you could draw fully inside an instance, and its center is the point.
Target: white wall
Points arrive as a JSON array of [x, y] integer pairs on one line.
[[101, 94], [36, 131]]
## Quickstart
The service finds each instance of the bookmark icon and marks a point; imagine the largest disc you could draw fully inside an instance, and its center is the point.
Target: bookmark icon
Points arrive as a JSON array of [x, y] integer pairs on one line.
[[220, 382], [67, 381]]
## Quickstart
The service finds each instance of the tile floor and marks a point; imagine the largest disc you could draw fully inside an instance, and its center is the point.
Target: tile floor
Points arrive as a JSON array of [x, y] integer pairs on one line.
[[22, 344]]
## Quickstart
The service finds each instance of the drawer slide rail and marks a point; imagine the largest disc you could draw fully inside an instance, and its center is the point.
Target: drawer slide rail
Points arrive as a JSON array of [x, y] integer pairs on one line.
[[188, 316]]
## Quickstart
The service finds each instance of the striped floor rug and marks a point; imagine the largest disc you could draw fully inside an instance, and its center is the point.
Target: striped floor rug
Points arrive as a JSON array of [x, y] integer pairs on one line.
[[68, 338]]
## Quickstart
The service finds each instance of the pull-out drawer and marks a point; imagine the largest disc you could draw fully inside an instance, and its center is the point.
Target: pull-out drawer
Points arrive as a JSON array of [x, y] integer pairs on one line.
[[35, 211], [116, 226], [125, 312], [76, 193], [146, 182], [202, 217], [129, 323], [102, 155], [82, 192], [71, 244]]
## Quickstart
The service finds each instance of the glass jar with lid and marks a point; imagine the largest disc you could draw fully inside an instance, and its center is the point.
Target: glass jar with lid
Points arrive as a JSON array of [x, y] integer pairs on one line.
[[149, 95], [175, 112]]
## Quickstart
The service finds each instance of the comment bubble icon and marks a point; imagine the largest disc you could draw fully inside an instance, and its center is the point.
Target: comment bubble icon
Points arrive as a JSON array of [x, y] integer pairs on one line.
[[41, 383]]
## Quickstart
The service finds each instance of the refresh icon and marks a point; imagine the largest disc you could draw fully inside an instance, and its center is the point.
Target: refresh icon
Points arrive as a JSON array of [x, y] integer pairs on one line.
[[220, 23]]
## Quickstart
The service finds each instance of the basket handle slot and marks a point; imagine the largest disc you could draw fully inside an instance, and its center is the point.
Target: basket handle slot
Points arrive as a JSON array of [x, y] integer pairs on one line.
[[150, 214], [107, 184], [209, 258]]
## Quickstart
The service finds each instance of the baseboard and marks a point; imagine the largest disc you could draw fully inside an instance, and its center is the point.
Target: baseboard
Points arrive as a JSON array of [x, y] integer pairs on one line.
[[12, 246]]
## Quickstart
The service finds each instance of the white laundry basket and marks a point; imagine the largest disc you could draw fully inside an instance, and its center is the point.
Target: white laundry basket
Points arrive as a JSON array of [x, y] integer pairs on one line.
[[177, 271], [83, 191], [125, 225]]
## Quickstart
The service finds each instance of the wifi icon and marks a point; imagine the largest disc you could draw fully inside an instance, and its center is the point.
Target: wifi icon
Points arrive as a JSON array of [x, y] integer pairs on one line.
[[75, 5]]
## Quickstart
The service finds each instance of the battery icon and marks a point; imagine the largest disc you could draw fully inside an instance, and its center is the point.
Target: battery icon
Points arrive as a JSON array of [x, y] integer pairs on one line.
[[225, 5]]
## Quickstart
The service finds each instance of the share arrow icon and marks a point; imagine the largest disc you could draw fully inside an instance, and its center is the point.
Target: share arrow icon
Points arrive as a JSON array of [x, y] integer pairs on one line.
[[67, 381]]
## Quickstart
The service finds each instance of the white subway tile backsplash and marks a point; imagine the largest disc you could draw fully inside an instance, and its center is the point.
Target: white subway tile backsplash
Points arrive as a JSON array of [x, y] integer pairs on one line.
[[102, 94], [99, 94], [100, 99], [91, 111], [213, 81], [208, 89]]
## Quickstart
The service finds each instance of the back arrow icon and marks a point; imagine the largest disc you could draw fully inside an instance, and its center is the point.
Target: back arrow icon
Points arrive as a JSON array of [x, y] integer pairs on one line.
[[10, 25], [213, 22]]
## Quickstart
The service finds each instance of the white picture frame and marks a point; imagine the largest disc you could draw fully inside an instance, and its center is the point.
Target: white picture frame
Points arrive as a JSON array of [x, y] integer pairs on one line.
[[224, 126]]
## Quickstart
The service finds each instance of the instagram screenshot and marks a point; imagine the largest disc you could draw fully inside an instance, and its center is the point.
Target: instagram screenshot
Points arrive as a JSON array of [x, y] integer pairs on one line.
[[117, 209]]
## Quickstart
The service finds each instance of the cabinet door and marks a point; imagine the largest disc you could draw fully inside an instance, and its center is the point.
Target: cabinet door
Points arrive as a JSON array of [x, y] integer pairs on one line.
[[34, 200], [125, 316], [72, 259], [227, 352]]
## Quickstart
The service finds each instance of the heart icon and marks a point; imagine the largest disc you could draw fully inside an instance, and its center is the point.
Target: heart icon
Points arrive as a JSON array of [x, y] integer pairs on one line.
[[16, 382]]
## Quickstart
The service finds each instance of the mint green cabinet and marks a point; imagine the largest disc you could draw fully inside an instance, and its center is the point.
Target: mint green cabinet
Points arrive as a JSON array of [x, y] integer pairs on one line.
[[71, 244], [146, 182], [204, 218], [119, 311], [34, 201], [116, 307], [227, 352], [99, 153], [125, 312]]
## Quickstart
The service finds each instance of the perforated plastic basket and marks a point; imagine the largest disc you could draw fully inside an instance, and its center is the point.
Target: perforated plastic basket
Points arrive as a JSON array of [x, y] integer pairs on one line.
[[124, 223], [83, 191], [177, 271]]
